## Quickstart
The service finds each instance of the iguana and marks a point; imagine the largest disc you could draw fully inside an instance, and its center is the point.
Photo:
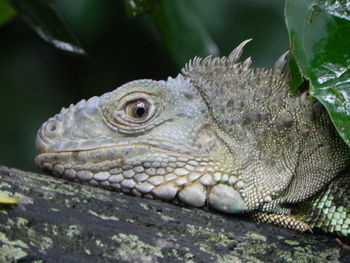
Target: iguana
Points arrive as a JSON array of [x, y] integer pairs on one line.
[[221, 135]]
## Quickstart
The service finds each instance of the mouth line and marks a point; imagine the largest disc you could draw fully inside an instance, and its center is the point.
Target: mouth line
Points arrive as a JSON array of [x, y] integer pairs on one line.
[[163, 147]]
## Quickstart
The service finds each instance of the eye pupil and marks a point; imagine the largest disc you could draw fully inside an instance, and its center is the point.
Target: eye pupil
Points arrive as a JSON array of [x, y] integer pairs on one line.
[[140, 111]]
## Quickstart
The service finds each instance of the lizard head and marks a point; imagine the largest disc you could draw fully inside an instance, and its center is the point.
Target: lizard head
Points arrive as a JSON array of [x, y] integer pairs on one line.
[[149, 138]]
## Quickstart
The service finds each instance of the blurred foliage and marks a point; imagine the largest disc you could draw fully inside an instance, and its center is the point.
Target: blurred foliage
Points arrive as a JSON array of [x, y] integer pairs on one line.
[[6, 12], [37, 79], [139, 7], [320, 42], [43, 19], [183, 33]]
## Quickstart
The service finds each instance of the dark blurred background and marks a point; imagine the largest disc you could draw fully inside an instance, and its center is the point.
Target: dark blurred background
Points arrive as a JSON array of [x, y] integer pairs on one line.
[[36, 79]]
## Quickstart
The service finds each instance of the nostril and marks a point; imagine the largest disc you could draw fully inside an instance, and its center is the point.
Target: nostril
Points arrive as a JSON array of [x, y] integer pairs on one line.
[[52, 127]]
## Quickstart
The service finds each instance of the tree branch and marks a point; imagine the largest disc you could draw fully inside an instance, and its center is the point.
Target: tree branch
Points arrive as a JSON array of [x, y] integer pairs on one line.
[[61, 221]]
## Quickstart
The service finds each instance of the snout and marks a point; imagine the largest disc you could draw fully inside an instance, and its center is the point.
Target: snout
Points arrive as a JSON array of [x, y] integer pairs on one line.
[[47, 135]]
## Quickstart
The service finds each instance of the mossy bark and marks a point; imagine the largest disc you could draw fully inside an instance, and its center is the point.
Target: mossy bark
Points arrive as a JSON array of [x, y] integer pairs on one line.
[[62, 221]]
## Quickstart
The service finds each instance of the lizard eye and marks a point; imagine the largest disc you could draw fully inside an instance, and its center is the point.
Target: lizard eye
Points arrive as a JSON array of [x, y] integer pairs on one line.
[[137, 109], [132, 112]]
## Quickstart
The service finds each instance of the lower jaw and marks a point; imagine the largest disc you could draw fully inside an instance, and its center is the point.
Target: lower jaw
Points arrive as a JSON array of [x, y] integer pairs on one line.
[[196, 181]]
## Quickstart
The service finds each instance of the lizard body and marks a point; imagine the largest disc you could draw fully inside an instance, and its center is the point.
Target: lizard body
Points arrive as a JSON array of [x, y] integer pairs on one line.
[[221, 134]]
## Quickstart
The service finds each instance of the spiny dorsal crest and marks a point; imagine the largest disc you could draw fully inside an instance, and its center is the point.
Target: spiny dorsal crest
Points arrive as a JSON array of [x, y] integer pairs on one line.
[[269, 130], [235, 93]]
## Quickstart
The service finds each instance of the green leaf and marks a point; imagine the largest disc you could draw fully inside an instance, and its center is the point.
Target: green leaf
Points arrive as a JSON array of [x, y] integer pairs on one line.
[[297, 79], [6, 12], [319, 32], [42, 17], [139, 7], [183, 33]]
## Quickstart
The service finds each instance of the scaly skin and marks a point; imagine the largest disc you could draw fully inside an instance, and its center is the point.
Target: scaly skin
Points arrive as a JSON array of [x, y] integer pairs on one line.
[[220, 134]]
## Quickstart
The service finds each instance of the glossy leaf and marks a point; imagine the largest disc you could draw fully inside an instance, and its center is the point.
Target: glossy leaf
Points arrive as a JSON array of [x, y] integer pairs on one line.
[[319, 32], [6, 12], [297, 79], [183, 33], [42, 17], [139, 7]]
